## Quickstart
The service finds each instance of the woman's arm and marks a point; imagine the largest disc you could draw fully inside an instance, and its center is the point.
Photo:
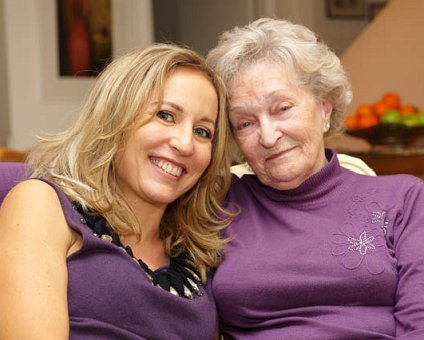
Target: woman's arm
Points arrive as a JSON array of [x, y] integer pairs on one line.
[[409, 253], [34, 242]]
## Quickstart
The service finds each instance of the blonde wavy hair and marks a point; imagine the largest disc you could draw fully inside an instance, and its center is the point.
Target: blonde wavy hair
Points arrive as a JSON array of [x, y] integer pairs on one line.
[[297, 48], [82, 159]]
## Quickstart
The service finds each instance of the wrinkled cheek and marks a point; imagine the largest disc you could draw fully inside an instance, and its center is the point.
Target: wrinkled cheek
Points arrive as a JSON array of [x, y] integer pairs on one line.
[[249, 150], [255, 162], [259, 167], [243, 142]]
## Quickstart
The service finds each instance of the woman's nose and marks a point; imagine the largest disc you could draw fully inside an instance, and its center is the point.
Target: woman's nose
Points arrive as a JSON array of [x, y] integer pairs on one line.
[[269, 133], [182, 140]]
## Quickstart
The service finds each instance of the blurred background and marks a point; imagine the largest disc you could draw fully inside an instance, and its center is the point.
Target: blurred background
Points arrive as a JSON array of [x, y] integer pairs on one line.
[[380, 42]]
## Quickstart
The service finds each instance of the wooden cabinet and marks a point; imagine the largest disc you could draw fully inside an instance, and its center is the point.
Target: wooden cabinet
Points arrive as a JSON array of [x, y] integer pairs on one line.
[[10, 155], [388, 163]]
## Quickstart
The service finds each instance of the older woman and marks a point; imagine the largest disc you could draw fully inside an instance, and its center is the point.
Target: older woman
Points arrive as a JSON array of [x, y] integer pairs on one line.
[[318, 251]]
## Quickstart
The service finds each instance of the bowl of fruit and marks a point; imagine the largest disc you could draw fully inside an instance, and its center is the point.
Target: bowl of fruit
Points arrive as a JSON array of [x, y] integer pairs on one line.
[[386, 122]]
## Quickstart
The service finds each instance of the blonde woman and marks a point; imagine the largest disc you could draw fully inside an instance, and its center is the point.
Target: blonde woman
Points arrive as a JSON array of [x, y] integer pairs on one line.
[[116, 232]]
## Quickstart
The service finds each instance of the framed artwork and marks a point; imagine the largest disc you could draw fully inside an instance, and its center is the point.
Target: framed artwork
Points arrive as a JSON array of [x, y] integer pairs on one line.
[[346, 9], [131, 27], [84, 36]]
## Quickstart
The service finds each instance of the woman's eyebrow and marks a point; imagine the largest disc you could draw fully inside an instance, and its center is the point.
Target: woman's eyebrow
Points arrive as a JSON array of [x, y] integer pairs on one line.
[[180, 109], [175, 106]]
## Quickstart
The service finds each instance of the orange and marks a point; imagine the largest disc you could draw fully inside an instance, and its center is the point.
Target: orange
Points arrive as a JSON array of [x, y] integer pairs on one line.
[[351, 122], [408, 110], [364, 122], [392, 99], [364, 110], [380, 108]]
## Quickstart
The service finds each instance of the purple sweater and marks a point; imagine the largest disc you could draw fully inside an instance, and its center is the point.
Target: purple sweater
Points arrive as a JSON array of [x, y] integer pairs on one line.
[[339, 257], [110, 296]]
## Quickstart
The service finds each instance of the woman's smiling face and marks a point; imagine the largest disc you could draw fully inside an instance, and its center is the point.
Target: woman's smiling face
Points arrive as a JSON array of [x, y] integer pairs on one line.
[[166, 156], [278, 125]]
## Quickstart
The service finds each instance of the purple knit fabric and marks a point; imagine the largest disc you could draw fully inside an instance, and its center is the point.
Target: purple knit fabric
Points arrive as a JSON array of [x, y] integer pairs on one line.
[[10, 175], [110, 296], [339, 257]]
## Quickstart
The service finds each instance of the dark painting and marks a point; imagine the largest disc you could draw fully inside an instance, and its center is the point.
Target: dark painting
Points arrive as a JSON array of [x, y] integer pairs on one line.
[[85, 37]]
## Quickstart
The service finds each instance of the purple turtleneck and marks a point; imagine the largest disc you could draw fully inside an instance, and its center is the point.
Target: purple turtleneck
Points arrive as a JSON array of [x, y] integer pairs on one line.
[[339, 257]]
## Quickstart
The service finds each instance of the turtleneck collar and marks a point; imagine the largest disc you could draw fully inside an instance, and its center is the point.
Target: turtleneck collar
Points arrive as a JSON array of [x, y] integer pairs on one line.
[[314, 188]]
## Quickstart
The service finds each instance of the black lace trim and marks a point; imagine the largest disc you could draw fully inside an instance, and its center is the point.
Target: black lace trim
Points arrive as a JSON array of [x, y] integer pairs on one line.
[[179, 278]]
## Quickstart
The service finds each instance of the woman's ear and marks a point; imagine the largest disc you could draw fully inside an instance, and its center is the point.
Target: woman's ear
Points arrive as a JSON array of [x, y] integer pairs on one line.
[[327, 110]]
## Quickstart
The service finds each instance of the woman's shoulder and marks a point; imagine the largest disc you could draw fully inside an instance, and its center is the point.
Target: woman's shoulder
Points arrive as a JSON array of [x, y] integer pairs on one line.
[[33, 207], [399, 181], [39, 191], [396, 188], [30, 194]]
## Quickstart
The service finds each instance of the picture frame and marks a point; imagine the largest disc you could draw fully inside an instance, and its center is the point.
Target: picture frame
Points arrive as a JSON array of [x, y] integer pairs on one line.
[[346, 9], [374, 9], [84, 36], [132, 27]]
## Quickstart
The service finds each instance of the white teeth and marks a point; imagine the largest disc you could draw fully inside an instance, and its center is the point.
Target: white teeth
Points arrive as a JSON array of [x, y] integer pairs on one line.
[[167, 167]]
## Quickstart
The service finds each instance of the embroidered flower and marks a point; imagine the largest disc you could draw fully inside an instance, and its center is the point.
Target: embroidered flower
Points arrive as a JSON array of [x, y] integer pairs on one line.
[[372, 191], [378, 216], [362, 244], [359, 246], [358, 198]]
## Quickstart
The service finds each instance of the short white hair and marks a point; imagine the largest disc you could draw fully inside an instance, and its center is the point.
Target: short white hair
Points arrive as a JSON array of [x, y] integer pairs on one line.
[[317, 67]]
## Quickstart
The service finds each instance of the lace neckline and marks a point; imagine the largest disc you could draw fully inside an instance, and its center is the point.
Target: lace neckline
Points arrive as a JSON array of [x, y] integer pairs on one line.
[[180, 278]]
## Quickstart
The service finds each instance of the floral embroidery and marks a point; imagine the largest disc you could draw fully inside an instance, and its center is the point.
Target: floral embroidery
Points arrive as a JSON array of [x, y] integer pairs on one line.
[[359, 246], [372, 191], [361, 240], [378, 216], [358, 198]]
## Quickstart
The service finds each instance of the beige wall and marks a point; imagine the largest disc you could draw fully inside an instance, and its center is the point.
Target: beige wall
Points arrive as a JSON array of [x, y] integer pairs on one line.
[[389, 55], [4, 107], [202, 21], [39, 101], [337, 33], [199, 22]]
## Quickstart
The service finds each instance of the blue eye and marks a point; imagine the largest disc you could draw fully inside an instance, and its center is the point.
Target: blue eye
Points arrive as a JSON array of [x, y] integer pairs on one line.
[[243, 125], [166, 116], [204, 133]]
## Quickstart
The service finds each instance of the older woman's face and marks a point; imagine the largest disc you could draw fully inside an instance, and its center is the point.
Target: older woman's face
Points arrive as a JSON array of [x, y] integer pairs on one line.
[[278, 125]]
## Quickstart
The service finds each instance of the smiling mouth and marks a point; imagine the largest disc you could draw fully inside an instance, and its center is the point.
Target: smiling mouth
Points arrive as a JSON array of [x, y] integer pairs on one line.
[[279, 154], [169, 168]]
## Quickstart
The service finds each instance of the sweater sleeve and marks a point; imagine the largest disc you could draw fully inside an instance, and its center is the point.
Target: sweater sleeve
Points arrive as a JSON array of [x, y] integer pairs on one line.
[[408, 235]]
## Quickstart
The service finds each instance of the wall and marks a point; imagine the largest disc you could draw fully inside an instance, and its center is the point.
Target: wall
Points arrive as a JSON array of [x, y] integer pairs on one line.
[[201, 31], [388, 55], [4, 102], [337, 33], [39, 101], [198, 23]]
